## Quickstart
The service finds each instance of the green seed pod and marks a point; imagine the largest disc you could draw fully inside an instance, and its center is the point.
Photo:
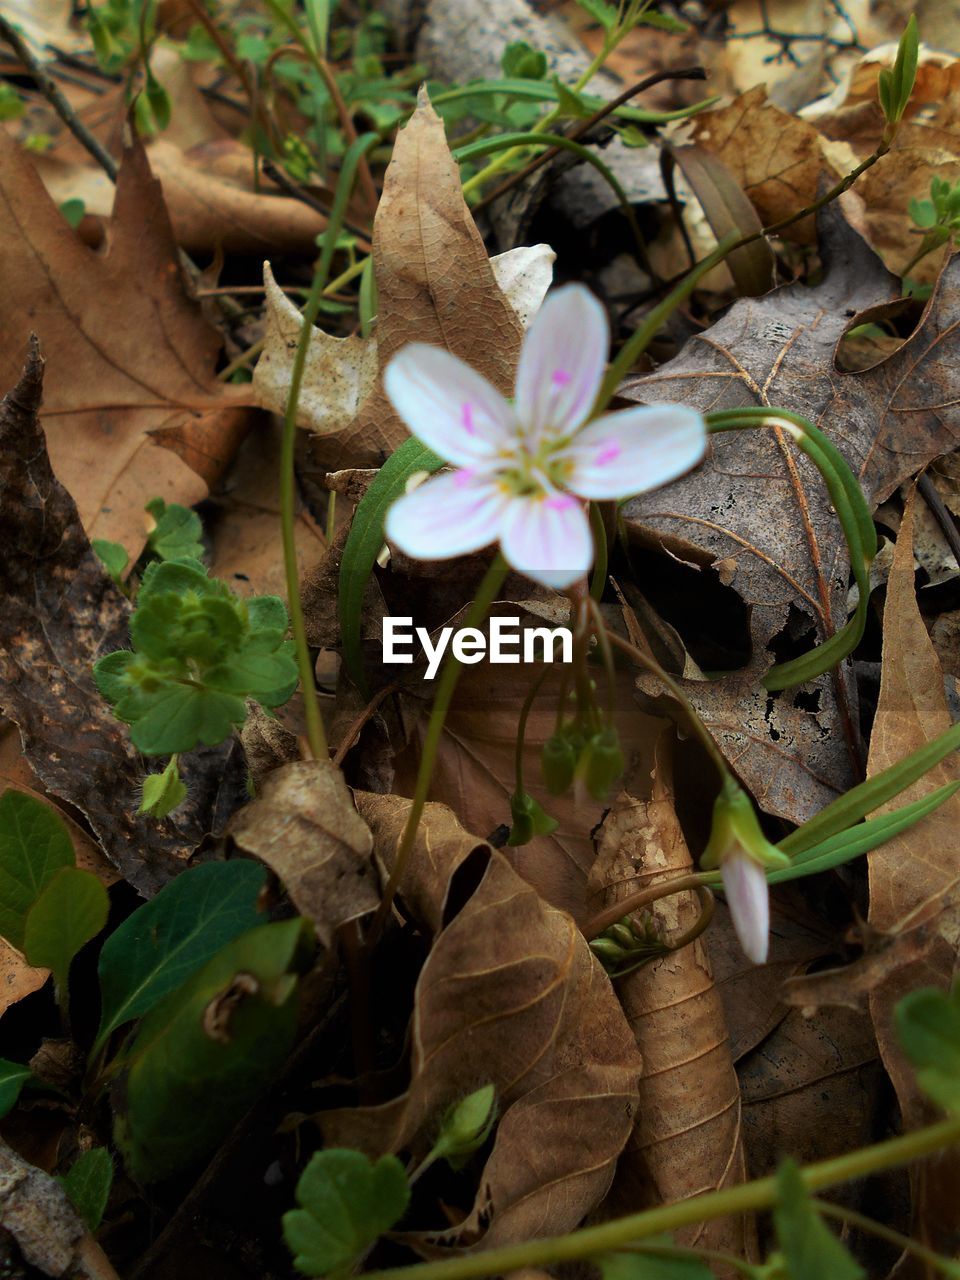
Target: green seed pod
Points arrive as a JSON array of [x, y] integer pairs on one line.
[[558, 761], [529, 820], [601, 764]]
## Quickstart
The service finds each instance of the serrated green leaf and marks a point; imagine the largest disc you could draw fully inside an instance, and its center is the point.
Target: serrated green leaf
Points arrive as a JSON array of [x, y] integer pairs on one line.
[[87, 1184], [178, 532], [365, 540], [34, 846], [268, 614], [173, 935], [653, 1266], [13, 1076], [346, 1202], [72, 908], [180, 716], [811, 1250], [108, 673], [204, 1054], [928, 1023], [255, 674], [163, 792]]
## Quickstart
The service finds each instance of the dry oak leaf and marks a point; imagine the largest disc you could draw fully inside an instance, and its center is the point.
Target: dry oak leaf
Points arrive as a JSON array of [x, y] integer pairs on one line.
[[510, 995], [131, 356], [757, 503], [775, 157], [435, 284], [305, 827], [687, 1138], [60, 613]]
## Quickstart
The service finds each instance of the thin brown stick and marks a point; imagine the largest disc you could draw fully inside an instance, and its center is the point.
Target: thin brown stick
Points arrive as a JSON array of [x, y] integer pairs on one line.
[[51, 92], [642, 898], [199, 11], [584, 126], [941, 513]]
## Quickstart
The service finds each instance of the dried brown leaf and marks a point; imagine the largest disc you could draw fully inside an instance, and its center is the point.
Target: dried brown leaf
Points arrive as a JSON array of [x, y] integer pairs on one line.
[[434, 282], [305, 827], [687, 1139], [511, 995], [132, 356], [60, 613]]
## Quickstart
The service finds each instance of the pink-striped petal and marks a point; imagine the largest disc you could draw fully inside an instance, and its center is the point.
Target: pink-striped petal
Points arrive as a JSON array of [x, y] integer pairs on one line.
[[745, 884], [449, 515], [450, 407], [634, 450], [548, 538], [562, 363]]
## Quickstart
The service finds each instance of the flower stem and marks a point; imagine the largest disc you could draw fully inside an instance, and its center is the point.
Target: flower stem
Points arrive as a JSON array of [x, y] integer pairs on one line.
[[590, 1242], [316, 736], [486, 594], [853, 1219]]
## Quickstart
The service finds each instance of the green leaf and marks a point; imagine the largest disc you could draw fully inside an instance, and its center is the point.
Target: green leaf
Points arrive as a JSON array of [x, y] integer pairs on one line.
[[113, 557], [88, 1183], [163, 792], [206, 1052], [465, 1127], [34, 846], [905, 67], [173, 935], [928, 1023], [520, 59], [606, 14], [653, 1266], [178, 532], [365, 540], [73, 211], [569, 102], [662, 21], [71, 910], [811, 1250], [346, 1202], [180, 716], [13, 1076]]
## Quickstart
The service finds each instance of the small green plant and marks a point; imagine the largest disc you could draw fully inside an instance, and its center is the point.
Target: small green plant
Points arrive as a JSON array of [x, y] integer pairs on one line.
[[937, 217], [199, 651]]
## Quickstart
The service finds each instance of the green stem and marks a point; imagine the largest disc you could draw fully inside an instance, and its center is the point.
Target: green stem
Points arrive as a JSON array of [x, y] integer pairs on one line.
[[532, 692], [486, 594], [841, 1213], [316, 736], [598, 580], [590, 1242]]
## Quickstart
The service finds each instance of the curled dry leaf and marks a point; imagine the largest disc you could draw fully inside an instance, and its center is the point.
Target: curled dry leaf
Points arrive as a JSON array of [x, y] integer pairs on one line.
[[61, 612], [687, 1138], [509, 995], [435, 284], [132, 358], [305, 827], [763, 511]]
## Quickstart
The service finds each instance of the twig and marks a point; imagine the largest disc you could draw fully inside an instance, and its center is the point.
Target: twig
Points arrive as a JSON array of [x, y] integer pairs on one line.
[[50, 91], [584, 126], [939, 510], [280, 176]]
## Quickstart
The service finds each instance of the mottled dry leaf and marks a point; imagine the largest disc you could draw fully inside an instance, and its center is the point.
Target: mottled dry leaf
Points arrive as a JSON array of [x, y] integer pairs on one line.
[[305, 827], [509, 994], [131, 354], [687, 1138], [60, 613], [763, 511], [811, 1090]]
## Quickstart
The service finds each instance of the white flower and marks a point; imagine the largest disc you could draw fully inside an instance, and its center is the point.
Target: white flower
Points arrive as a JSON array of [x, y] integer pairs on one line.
[[745, 884], [523, 470]]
